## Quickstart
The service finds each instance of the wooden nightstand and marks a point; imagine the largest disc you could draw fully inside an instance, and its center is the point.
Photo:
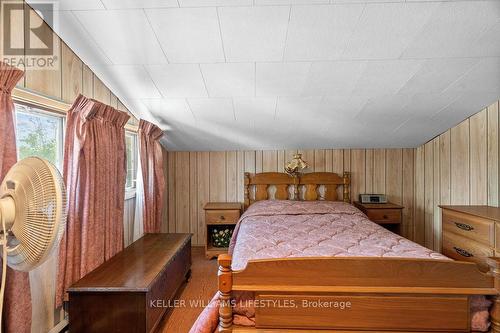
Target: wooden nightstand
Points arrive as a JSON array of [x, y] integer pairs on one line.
[[219, 215], [388, 215]]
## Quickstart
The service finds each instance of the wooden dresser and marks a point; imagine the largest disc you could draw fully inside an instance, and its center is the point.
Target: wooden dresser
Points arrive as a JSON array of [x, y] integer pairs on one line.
[[471, 233], [130, 292]]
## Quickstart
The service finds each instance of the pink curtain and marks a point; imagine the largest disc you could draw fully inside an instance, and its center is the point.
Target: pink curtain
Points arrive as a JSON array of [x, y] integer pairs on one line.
[[94, 172], [17, 304], [152, 175]]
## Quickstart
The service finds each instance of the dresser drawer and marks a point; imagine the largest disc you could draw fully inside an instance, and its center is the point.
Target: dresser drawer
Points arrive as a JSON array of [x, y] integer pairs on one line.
[[464, 249], [222, 216], [384, 215], [472, 227]]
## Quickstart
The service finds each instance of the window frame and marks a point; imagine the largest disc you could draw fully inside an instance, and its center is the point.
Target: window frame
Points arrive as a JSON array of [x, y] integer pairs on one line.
[[130, 191], [43, 112]]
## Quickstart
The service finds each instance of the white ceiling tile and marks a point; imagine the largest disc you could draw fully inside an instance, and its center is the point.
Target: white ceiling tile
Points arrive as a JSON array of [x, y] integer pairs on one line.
[[453, 29], [188, 35], [229, 79], [172, 110], [320, 32], [388, 110], [435, 75], [482, 77], [290, 2], [203, 3], [125, 36], [74, 4], [260, 110], [428, 104], [281, 79], [488, 44], [386, 29], [134, 81], [254, 33], [129, 4], [385, 77], [333, 78], [78, 39], [212, 109], [178, 80], [342, 108]]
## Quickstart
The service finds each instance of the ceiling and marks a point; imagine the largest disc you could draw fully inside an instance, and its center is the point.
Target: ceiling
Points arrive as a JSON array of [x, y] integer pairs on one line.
[[276, 74]]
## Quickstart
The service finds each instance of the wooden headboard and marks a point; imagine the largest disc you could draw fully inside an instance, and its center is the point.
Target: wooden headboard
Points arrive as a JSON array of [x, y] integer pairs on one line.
[[310, 181]]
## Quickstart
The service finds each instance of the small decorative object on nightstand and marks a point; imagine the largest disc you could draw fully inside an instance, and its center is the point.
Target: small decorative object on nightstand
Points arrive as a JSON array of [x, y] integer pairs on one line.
[[388, 215], [220, 220]]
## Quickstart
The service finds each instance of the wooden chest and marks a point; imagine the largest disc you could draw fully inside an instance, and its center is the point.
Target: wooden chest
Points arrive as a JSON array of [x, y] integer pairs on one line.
[[471, 233], [131, 291]]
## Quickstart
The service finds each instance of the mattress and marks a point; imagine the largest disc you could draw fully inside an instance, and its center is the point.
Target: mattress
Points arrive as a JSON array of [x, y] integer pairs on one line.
[[287, 229]]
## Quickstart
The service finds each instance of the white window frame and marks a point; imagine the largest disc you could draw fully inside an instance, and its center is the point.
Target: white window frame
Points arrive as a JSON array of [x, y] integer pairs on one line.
[[130, 191], [29, 109]]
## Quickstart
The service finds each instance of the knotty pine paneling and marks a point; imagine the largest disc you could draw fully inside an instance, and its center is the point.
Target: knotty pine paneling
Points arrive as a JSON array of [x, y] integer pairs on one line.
[[459, 167], [195, 178], [72, 78]]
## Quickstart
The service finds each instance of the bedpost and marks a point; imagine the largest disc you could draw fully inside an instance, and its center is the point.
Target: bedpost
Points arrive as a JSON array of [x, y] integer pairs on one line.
[[494, 263], [347, 186], [247, 191], [225, 286]]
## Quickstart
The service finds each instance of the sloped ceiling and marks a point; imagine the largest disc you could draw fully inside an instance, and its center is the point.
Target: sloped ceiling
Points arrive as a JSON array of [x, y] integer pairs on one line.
[[268, 74]]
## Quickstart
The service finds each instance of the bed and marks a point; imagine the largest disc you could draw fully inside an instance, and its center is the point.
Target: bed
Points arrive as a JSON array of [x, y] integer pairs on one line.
[[317, 264]]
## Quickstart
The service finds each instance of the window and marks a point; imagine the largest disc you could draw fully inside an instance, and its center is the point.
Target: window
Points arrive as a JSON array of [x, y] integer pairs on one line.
[[39, 133], [131, 146]]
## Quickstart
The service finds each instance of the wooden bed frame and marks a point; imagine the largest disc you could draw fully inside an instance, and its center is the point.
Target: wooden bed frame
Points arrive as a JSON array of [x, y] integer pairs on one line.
[[384, 294]]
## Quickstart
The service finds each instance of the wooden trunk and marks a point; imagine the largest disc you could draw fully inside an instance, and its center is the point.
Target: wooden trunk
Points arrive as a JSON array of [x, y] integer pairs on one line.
[[132, 291]]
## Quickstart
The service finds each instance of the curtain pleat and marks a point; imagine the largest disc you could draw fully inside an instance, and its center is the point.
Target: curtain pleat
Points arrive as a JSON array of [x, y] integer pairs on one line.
[[152, 175], [17, 303], [94, 172]]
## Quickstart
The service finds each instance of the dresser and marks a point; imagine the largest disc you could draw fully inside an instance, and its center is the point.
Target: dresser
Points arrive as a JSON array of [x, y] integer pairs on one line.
[[471, 233], [219, 216], [388, 215], [131, 291]]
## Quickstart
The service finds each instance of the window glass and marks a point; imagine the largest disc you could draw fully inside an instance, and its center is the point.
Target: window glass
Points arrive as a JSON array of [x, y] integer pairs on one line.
[[39, 134], [131, 144]]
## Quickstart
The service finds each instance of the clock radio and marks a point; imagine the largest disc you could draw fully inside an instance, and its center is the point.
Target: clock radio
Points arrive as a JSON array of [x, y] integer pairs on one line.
[[373, 198]]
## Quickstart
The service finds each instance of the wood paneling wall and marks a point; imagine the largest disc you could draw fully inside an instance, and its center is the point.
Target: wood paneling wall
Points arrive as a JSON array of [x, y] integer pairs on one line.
[[459, 167], [195, 178], [72, 78]]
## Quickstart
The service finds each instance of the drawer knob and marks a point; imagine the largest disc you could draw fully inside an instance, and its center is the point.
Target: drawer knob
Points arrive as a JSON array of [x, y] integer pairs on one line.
[[462, 252], [385, 217], [464, 226], [222, 218]]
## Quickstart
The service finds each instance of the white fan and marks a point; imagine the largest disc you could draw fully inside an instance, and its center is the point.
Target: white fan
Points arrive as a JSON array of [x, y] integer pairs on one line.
[[32, 215]]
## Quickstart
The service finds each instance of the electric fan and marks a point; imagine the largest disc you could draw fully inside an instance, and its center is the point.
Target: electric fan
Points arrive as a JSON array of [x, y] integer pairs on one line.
[[32, 215]]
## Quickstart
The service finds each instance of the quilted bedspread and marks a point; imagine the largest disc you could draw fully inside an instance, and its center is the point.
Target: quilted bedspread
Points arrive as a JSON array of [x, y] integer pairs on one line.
[[284, 229]]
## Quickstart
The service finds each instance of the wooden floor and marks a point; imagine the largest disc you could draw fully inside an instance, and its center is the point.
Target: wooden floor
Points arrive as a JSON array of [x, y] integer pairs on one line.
[[201, 288]]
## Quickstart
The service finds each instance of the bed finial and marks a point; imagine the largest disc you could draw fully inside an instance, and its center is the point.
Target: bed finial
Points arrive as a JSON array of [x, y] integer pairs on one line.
[[347, 186], [494, 263], [225, 286]]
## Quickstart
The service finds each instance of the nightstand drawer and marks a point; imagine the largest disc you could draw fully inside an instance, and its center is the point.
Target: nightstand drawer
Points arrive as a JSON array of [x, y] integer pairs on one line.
[[461, 248], [222, 216], [472, 227], [384, 215]]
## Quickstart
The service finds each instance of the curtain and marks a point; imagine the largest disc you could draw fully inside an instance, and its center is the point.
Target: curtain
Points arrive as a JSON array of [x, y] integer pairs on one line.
[[152, 175], [17, 304], [94, 171], [139, 203]]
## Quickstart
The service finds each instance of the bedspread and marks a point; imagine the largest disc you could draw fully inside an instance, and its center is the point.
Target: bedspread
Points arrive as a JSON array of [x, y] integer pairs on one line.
[[284, 229]]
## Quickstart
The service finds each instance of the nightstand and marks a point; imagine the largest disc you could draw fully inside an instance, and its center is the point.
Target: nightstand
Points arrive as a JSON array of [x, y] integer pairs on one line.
[[388, 215], [219, 216]]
